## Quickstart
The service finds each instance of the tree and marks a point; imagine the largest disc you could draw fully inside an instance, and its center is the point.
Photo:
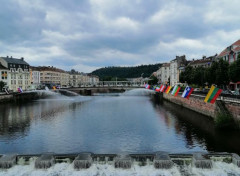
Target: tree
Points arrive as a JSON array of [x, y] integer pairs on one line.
[[187, 75], [234, 70], [153, 80], [222, 77], [2, 84]]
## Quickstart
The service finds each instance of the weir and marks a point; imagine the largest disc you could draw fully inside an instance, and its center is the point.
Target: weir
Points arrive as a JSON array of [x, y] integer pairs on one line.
[[86, 160]]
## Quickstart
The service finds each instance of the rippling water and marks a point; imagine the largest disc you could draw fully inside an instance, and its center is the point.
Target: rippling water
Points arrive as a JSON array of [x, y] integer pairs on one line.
[[108, 124]]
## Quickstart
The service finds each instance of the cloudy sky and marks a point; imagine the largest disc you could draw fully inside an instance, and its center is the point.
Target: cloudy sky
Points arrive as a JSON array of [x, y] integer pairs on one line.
[[88, 34]]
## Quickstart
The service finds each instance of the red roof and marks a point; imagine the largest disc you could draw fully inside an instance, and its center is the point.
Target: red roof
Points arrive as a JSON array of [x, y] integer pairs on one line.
[[236, 43], [226, 50]]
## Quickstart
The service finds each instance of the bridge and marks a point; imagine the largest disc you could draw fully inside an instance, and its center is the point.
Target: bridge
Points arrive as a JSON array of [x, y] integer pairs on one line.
[[111, 84]]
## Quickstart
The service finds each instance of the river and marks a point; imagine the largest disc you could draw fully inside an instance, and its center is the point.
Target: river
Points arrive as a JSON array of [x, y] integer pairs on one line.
[[130, 122]]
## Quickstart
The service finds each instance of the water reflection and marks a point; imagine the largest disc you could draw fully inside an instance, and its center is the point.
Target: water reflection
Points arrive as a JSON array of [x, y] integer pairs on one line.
[[198, 129], [114, 124]]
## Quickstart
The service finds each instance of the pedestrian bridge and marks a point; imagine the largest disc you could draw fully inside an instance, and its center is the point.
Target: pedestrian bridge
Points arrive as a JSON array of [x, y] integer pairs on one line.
[[111, 84]]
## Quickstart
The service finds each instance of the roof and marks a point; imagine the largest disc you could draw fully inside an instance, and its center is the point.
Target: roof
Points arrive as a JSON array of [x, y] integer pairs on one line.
[[200, 61], [226, 51], [14, 60], [54, 69], [2, 67], [166, 65]]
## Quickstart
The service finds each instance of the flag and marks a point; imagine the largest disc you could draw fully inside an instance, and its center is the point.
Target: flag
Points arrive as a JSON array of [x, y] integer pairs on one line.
[[175, 90], [163, 87], [157, 89], [187, 92], [147, 86], [20, 90], [212, 94], [168, 89]]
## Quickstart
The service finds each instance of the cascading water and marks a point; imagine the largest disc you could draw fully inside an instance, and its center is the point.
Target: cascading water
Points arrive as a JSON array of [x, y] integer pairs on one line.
[[125, 166], [138, 92]]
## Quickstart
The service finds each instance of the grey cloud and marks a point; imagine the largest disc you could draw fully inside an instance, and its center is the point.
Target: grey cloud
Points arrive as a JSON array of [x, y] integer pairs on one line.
[[94, 33]]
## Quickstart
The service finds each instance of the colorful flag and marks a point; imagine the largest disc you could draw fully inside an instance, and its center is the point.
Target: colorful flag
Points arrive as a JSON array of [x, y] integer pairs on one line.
[[168, 89], [157, 89], [163, 87], [147, 86], [20, 90], [187, 92], [175, 90], [212, 94]]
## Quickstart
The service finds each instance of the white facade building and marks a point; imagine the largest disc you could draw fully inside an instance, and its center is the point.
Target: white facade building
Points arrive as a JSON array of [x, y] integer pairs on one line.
[[174, 69], [163, 73], [18, 73]]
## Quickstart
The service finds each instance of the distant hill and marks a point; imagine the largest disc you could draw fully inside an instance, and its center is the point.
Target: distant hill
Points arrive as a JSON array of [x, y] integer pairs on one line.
[[109, 73]]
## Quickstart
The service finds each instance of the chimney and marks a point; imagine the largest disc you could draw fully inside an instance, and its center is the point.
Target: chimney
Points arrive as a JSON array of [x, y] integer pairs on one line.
[[7, 56], [11, 57], [22, 59]]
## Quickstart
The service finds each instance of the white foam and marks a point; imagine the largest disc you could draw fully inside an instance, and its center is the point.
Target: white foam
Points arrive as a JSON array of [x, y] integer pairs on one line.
[[95, 169], [65, 169]]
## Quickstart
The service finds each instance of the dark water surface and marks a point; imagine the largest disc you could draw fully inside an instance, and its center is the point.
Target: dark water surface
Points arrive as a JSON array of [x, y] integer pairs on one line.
[[108, 124]]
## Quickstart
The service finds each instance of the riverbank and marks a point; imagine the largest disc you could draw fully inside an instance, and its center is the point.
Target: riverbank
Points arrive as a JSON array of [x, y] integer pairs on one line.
[[20, 97], [197, 104]]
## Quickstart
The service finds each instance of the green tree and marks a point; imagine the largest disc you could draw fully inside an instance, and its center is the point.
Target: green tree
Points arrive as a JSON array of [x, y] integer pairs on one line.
[[187, 75], [198, 76], [234, 70], [153, 80], [222, 77], [2, 84]]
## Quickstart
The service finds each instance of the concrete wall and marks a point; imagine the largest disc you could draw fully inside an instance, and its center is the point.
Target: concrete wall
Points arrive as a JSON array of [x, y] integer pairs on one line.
[[6, 98], [196, 103]]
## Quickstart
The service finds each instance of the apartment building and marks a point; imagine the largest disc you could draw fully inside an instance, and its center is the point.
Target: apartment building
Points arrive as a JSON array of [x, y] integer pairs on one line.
[[163, 73], [4, 74], [230, 53], [18, 75], [204, 62], [175, 64], [34, 77]]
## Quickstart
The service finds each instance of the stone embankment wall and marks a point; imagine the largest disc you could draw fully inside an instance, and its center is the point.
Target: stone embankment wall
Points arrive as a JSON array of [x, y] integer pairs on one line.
[[26, 96], [6, 98], [196, 103]]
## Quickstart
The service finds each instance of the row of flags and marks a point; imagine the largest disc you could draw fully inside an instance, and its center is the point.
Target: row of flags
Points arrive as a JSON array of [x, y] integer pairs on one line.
[[210, 98]]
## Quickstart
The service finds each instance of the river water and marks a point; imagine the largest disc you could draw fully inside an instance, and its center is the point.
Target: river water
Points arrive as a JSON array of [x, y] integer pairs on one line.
[[108, 123]]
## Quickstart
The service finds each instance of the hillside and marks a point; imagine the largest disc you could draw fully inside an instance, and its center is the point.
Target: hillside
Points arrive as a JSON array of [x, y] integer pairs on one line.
[[108, 73]]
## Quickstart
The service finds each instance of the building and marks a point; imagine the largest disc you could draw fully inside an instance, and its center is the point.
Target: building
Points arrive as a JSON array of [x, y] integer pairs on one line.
[[162, 73], [230, 53], [18, 74], [65, 78], [34, 77], [204, 62], [4, 74], [53, 76], [75, 79], [174, 70], [93, 79]]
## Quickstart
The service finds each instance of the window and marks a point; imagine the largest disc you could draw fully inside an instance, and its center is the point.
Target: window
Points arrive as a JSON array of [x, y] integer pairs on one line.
[[4, 75]]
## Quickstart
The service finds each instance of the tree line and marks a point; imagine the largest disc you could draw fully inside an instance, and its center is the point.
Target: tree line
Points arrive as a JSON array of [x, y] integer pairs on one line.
[[219, 73], [111, 73]]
